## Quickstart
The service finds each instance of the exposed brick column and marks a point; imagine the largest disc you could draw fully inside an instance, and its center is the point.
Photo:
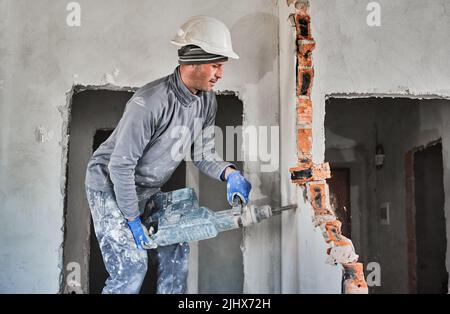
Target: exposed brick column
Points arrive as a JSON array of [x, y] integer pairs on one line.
[[313, 176]]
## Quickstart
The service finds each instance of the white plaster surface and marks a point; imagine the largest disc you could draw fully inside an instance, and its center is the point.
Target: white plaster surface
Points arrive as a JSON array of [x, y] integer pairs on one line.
[[407, 55], [40, 59], [303, 268]]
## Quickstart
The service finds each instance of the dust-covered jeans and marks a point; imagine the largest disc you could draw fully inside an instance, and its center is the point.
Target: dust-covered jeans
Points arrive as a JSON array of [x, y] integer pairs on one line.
[[125, 263]]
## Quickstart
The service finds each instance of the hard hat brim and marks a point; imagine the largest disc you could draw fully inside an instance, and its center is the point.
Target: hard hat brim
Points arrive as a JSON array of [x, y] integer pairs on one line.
[[229, 53]]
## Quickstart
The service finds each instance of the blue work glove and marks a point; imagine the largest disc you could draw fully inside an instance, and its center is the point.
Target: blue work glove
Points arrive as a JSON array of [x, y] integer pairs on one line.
[[237, 185], [141, 235]]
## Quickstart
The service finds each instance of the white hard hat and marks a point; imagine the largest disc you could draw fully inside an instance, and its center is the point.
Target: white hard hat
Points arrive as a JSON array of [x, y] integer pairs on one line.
[[208, 33]]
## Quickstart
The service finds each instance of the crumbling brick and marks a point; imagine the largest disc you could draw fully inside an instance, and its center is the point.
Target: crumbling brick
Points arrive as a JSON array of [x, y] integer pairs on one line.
[[301, 176], [299, 4], [322, 216], [318, 195], [305, 48], [342, 254], [321, 172], [304, 112], [304, 164], [305, 81], [304, 143], [354, 282], [307, 172], [341, 249], [303, 25], [332, 233]]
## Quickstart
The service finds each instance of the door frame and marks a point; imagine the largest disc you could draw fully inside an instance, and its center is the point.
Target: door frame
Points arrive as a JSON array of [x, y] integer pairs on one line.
[[410, 214], [347, 169], [82, 265]]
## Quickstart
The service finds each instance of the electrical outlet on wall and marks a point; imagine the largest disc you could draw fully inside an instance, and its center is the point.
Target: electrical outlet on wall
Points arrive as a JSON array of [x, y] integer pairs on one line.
[[384, 213]]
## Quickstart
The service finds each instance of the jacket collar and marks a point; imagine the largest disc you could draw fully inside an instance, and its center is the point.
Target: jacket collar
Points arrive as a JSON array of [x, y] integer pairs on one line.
[[183, 94]]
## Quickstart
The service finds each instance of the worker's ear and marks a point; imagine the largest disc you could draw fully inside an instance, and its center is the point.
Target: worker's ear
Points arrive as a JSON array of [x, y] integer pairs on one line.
[[189, 68], [186, 66]]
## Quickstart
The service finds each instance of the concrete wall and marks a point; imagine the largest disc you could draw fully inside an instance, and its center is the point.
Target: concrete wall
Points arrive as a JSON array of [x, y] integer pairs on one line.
[[303, 253], [406, 55], [289, 252], [40, 59]]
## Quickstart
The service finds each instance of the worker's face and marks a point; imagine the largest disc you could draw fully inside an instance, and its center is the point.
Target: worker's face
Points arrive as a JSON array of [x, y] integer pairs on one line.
[[205, 76]]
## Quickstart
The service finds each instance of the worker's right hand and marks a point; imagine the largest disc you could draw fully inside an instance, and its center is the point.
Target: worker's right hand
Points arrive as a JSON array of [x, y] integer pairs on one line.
[[141, 235], [238, 188]]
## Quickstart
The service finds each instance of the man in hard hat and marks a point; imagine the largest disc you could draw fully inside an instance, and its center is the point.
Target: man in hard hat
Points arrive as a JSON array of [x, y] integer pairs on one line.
[[135, 161]]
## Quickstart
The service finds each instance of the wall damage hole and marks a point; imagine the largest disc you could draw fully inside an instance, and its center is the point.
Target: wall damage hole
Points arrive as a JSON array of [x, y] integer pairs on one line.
[[304, 27], [318, 197], [302, 174], [306, 82]]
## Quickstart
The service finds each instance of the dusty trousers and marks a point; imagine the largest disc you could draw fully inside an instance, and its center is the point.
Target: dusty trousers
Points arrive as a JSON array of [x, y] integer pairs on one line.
[[125, 263]]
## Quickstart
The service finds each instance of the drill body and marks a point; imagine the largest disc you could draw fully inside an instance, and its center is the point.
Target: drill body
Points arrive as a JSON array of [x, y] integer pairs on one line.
[[176, 217]]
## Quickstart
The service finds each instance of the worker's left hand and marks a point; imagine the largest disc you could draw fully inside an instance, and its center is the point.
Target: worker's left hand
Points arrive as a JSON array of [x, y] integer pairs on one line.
[[237, 185], [141, 235]]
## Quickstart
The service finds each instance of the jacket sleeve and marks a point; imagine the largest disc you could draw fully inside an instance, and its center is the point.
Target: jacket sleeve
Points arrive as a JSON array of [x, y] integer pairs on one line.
[[205, 156], [134, 132]]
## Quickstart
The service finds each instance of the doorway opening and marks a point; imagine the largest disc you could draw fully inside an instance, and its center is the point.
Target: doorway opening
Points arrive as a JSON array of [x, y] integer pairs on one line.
[[427, 232], [390, 222], [94, 113], [90, 110], [220, 260], [97, 270], [339, 185]]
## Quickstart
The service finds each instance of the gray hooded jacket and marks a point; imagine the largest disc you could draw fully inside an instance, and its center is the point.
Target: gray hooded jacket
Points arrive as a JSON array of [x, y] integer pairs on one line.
[[138, 157]]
